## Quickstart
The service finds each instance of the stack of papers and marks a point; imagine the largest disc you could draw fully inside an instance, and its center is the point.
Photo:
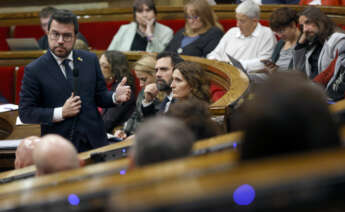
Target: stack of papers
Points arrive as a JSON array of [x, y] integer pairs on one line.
[[8, 107], [10, 144]]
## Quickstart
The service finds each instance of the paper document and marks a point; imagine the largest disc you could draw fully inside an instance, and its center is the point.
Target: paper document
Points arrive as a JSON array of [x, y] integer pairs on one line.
[[9, 144], [8, 107]]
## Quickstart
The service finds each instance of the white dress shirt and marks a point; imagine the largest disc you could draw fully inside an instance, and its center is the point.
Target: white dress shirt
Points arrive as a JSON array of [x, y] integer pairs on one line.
[[248, 50]]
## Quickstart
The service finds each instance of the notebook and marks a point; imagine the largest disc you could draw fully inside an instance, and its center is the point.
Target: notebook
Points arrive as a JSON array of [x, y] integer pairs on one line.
[[236, 63], [16, 44]]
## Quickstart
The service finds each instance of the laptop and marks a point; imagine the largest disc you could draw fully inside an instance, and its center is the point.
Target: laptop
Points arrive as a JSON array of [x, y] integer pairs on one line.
[[20, 44], [236, 63]]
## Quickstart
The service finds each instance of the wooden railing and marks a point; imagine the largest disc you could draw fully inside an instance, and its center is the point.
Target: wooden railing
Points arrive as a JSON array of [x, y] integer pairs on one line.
[[164, 13], [233, 80]]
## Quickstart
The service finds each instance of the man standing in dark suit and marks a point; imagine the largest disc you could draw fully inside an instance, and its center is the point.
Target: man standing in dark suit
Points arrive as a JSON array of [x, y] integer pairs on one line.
[[64, 101]]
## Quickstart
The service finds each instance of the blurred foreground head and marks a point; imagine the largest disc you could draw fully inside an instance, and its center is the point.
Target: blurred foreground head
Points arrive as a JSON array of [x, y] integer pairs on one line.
[[54, 154], [159, 139], [24, 152], [288, 114]]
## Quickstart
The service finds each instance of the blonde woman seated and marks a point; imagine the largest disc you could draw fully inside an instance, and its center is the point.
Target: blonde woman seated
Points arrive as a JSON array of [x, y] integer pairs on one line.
[[201, 33], [189, 82], [145, 70], [144, 34]]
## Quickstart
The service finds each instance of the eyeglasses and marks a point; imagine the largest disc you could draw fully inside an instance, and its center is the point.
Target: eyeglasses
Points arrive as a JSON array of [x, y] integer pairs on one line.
[[192, 17], [67, 37]]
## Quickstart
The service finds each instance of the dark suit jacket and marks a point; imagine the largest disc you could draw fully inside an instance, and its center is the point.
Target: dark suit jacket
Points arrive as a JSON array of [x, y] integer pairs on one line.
[[45, 87], [200, 47], [155, 108]]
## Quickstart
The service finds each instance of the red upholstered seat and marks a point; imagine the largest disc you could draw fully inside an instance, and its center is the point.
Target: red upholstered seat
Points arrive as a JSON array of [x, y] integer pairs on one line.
[[227, 24], [28, 31], [7, 82], [100, 34], [19, 78], [216, 91], [4, 33], [175, 25]]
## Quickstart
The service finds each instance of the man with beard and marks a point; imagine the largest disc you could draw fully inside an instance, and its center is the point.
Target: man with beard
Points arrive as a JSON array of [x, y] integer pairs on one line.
[[318, 45], [165, 64], [63, 101]]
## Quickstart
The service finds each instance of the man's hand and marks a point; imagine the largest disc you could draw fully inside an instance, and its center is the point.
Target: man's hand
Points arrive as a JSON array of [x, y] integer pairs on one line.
[[71, 107], [149, 28], [120, 134], [123, 91], [150, 92]]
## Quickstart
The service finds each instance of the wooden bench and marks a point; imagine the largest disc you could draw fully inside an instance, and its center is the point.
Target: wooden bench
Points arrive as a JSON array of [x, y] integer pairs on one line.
[[222, 142]]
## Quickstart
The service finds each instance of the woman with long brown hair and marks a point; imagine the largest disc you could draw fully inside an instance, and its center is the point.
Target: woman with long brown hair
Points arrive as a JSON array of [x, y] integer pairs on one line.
[[190, 81]]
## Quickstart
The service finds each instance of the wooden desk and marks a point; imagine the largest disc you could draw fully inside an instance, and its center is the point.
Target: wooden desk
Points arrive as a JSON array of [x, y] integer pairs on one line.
[[198, 147], [37, 191], [9, 130], [279, 182]]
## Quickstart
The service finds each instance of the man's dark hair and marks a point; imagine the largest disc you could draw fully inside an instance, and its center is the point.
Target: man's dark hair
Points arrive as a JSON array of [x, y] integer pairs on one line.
[[323, 22], [138, 6], [160, 139], [46, 12], [287, 115], [194, 113], [282, 18], [175, 58], [65, 17]]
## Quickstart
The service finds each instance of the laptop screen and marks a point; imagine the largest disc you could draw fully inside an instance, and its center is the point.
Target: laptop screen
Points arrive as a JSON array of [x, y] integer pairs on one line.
[[236, 63], [16, 44]]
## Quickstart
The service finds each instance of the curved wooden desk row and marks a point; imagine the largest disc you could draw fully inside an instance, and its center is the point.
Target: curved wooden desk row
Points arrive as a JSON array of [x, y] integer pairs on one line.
[[192, 180], [309, 181], [164, 13], [230, 78], [200, 147], [36, 190]]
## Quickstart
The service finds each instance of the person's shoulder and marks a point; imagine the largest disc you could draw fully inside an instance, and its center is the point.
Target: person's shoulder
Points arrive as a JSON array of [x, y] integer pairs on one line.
[[128, 26], [163, 27], [215, 30], [265, 29], [335, 41], [232, 31], [39, 61], [84, 54]]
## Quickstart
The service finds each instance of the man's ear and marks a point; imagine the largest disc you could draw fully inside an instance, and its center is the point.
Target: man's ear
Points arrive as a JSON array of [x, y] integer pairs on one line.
[[81, 162]]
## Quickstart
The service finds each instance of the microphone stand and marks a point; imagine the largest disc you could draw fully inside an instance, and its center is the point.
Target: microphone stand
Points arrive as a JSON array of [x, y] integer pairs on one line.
[[75, 72]]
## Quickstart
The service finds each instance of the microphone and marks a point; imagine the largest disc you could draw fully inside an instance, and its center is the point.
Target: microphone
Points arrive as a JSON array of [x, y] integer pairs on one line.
[[75, 72]]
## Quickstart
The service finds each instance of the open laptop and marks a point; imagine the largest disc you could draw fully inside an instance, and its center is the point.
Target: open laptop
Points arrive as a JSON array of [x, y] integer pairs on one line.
[[20, 44], [236, 63]]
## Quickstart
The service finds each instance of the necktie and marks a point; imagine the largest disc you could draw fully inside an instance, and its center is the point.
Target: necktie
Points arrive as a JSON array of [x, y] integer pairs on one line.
[[68, 69]]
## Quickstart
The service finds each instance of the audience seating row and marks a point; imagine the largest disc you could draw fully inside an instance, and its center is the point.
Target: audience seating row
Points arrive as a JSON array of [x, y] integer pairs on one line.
[[233, 82]]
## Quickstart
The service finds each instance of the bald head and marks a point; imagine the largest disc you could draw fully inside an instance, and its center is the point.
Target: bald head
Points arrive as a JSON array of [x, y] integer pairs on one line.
[[54, 154], [24, 152], [160, 139]]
